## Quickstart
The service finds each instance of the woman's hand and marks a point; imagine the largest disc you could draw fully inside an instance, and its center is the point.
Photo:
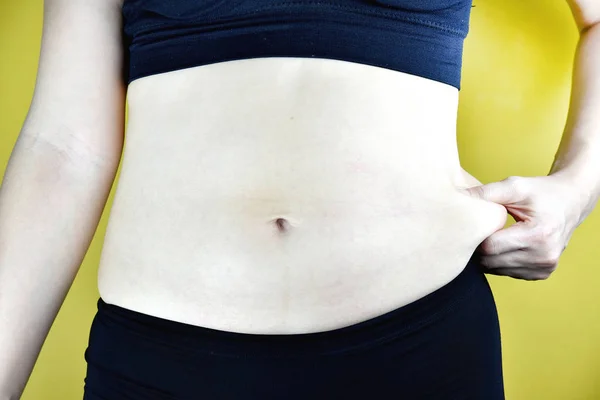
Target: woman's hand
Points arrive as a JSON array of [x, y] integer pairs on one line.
[[546, 209]]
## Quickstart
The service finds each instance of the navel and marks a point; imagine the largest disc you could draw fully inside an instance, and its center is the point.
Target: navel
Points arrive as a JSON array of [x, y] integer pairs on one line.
[[282, 225]]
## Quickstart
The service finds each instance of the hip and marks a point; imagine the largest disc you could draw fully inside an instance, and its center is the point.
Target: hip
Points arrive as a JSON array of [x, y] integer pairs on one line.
[[445, 345]]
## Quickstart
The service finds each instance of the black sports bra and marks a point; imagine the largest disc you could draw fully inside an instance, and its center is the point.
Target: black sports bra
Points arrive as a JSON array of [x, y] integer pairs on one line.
[[419, 37]]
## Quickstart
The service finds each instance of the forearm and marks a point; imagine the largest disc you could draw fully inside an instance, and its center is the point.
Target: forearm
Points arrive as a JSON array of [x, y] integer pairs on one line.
[[578, 156], [50, 206]]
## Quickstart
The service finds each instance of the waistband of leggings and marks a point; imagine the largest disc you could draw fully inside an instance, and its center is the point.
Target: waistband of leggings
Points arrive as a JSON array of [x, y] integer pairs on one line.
[[422, 314]]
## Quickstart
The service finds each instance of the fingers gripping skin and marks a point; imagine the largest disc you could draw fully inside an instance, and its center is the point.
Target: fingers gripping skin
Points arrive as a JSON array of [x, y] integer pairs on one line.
[[546, 212]]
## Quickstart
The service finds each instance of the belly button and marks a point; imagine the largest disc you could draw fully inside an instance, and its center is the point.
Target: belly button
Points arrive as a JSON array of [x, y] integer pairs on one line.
[[282, 224]]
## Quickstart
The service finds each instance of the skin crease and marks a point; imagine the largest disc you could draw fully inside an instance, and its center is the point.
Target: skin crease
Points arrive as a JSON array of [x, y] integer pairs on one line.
[[370, 184]]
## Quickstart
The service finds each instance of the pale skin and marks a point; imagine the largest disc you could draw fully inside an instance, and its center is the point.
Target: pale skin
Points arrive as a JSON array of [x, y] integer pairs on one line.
[[547, 209], [72, 139]]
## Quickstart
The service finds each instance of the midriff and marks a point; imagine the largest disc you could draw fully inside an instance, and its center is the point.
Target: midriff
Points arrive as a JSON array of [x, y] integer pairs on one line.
[[359, 163]]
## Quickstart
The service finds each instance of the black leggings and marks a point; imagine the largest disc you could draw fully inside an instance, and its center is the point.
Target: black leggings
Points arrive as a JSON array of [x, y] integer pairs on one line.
[[445, 345]]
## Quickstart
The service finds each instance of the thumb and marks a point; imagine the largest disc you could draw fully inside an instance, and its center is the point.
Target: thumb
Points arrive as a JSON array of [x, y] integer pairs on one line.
[[506, 191]]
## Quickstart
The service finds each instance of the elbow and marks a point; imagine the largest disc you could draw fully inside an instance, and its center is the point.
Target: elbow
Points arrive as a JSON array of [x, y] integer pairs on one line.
[[70, 152]]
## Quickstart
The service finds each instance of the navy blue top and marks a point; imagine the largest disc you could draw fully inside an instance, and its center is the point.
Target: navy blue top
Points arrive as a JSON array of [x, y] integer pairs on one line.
[[419, 37]]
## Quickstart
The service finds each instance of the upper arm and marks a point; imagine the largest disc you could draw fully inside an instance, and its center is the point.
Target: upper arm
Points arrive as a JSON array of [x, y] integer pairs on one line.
[[586, 12], [78, 103]]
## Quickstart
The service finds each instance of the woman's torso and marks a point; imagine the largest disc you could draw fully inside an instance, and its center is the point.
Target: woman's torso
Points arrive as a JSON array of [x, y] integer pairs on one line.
[[362, 161]]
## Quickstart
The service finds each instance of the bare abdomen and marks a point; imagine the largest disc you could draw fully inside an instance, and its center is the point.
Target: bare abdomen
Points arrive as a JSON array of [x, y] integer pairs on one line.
[[303, 210]]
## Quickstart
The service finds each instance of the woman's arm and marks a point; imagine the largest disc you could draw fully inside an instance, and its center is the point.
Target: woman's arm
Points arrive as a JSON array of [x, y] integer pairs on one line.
[[59, 175], [548, 209], [578, 156]]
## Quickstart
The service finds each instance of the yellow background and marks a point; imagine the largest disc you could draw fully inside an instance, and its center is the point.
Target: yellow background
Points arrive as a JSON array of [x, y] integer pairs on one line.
[[514, 100]]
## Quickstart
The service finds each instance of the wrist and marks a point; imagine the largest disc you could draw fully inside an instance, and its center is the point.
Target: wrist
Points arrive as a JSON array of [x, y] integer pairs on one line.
[[582, 184]]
